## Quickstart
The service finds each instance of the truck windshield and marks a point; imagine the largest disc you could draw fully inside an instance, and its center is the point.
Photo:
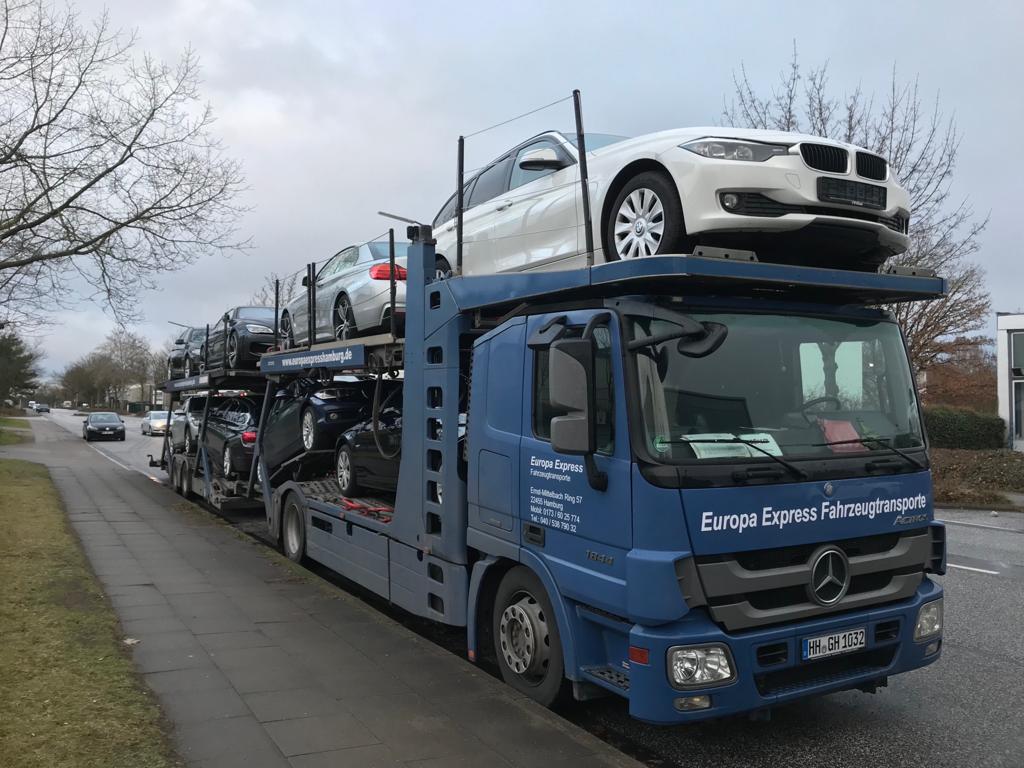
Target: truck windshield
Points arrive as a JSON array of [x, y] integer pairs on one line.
[[718, 386]]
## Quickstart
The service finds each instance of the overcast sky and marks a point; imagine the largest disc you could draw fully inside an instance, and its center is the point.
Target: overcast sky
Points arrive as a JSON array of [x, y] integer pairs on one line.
[[340, 109]]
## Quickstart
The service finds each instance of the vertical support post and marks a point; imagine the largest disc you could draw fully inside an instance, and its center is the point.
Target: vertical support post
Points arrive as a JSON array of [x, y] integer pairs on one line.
[[224, 349], [165, 453], [311, 303], [277, 312], [460, 205], [257, 454], [394, 285], [201, 443], [206, 350], [584, 177]]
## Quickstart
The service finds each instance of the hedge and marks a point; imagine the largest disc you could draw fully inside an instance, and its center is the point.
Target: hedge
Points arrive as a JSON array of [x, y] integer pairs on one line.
[[964, 428]]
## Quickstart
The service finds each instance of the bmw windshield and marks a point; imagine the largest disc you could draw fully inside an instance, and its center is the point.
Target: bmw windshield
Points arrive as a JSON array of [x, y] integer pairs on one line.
[[770, 388]]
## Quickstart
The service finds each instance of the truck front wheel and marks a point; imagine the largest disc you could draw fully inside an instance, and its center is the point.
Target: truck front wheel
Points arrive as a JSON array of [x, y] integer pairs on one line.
[[293, 530], [526, 639]]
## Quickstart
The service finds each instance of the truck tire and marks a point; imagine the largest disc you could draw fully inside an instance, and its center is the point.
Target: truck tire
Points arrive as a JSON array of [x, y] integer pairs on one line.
[[526, 639], [293, 530]]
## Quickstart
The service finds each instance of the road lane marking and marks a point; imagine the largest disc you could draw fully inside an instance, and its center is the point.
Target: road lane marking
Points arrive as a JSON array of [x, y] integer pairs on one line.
[[979, 525], [969, 568]]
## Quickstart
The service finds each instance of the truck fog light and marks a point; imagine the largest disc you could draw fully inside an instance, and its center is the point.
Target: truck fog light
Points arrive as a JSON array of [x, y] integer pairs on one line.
[[698, 666], [932, 648], [929, 620], [731, 201], [690, 703]]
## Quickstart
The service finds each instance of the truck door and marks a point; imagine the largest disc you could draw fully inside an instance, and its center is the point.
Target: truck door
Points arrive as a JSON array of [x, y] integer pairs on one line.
[[581, 531]]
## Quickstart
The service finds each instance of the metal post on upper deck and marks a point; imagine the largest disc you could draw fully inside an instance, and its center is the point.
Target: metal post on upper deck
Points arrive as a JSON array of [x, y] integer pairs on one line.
[[277, 311], [394, 278], [460, 204], [581, 146]]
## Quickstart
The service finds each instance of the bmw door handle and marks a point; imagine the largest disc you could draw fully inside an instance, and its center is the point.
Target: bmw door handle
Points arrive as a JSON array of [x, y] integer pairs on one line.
[[503, 205]]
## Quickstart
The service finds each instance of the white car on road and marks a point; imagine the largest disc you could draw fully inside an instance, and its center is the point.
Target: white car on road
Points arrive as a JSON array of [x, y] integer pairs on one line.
[[783, 195]]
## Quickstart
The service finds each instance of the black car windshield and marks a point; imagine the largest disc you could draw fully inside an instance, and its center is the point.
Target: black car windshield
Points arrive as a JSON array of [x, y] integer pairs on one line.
[[594, 140], [716, 386], [104, 418], [380, 250], [199, 334], [263, 314]]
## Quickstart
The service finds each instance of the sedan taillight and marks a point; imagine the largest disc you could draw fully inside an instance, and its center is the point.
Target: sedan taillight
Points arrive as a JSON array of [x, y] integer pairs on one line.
[[249, 437], [383, 272]]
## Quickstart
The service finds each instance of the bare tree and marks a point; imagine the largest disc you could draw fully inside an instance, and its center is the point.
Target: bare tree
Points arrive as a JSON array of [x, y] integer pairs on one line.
[[922, 145], [109, 172], [264, 296], [129, 359]]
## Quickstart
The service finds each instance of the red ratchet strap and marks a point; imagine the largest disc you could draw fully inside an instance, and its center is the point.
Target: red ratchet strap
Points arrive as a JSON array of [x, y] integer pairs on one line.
[[358, 506]]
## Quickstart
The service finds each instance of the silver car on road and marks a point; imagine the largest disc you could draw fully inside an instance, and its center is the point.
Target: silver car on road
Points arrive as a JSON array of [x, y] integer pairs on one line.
[[353, 296]]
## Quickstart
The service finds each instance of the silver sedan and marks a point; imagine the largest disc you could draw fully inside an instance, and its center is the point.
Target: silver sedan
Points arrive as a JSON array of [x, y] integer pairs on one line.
[[353, 296]]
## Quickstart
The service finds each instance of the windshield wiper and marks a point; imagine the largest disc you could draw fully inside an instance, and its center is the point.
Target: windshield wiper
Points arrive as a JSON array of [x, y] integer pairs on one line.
[[877, 441], [751, 444]]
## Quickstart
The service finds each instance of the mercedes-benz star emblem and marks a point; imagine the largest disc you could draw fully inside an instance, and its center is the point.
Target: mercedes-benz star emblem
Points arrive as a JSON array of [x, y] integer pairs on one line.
[[829, 490], [830, 576]]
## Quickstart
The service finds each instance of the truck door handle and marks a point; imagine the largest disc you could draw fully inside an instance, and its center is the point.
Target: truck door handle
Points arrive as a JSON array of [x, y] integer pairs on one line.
[[503, 205], [533, 534]]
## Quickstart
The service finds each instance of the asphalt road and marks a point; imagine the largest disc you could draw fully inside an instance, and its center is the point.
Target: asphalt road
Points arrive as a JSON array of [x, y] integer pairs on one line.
[[965, 710]]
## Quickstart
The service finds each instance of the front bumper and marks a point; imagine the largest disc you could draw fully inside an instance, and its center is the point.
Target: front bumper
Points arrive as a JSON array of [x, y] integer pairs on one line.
[[890, 650], [787, 180], [254, 346], [119, 435]]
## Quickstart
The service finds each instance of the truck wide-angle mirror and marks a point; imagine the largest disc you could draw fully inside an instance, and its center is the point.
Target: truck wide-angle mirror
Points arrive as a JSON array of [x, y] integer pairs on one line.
[[571, 389]]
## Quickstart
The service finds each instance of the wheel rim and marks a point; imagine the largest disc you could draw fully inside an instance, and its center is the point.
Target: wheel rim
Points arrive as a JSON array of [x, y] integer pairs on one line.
[[232, 351], [291, 530], [286, 330], [344, 326], [188, 442], [227, 462], [308, 431], [344, 469], [639, 224], [524, 637]]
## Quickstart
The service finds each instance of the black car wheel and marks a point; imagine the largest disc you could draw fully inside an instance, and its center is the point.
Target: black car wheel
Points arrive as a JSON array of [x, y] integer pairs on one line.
[[233, 356], [190, 447], [287, 332], [344, 319], [646, 219], [345, 471], [442, 269], [309, 434], [188, 367], [526, 638]]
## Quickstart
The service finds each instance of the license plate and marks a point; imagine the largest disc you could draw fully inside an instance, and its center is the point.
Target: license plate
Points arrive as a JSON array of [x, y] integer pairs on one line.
[[834, 644], [108, 431], [851, 193]]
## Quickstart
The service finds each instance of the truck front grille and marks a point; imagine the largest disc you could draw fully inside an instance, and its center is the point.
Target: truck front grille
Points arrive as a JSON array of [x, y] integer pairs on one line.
[[756, 589]]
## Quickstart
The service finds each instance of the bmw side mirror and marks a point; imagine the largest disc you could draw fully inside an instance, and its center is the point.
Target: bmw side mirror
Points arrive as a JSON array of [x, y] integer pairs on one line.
[[305, 281], [543, 159]]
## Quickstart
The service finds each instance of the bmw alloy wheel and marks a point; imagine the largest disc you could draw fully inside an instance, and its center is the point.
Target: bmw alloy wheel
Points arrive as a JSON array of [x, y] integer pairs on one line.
[[308, 430], [227, 462], [232, 351], [344, 469], [639, 224]]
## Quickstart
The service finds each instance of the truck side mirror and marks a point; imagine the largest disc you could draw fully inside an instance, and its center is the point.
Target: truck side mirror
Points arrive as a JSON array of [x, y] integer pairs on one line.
[[571, 390]]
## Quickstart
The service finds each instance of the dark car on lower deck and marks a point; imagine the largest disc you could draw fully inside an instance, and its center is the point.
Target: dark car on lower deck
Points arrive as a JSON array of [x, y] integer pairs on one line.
[[230, 435]]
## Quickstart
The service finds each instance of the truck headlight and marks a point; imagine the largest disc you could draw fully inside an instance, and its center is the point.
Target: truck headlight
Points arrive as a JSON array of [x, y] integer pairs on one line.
[[734, 149], [929, 620], [699, 666]]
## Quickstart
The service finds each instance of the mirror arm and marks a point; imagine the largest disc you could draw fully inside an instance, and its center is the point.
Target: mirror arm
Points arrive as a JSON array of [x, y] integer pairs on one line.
[[598, 480]]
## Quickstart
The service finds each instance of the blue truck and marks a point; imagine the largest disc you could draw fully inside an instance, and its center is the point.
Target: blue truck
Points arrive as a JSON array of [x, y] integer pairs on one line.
[[697, 482]]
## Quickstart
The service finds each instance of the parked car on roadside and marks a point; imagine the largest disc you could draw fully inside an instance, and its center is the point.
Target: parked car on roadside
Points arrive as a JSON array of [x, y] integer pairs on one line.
[[42, 408], [231, 435], [187, 420], [309, 415], [777, 193], [239, 337], [185, 359], [353, 296], [102, 425], [359, 462], [154, 422]]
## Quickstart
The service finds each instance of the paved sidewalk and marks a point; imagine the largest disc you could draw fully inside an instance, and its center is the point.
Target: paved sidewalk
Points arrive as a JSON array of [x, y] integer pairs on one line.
[[257, 666]]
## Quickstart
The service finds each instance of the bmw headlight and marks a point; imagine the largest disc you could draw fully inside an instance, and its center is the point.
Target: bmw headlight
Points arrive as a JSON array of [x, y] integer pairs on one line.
[[733, 149], [700, 666], [255, 328]]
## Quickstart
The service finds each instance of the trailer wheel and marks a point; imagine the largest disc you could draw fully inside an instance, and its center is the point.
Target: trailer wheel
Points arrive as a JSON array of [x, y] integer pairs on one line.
[[293, 530], [526, 639]]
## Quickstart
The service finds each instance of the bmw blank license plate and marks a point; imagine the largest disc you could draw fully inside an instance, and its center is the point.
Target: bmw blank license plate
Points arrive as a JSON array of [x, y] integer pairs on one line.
[[834, 644]]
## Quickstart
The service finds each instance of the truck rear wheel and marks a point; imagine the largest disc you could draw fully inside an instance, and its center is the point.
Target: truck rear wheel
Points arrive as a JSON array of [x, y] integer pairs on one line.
[[526, 639], [293, 530]]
